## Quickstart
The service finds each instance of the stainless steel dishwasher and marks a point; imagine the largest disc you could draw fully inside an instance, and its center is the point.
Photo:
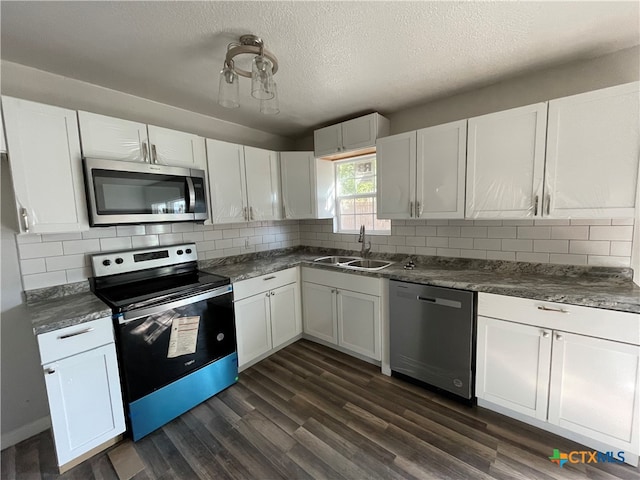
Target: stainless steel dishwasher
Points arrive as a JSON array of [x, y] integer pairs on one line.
[[433, 336]]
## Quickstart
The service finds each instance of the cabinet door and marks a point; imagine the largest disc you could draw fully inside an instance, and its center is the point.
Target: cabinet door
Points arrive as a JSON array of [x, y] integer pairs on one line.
[[113, 138], [263, 188], [227, 187], [327, 140], [505, 163], [46, 165], [360, 132], [593, 146], [253, 327], [396, 167], [512, 366], [170, 147], [319, 311], [286, 317], [440, 170], [359, 323], [595, 389], [85, 401], [298, 184]]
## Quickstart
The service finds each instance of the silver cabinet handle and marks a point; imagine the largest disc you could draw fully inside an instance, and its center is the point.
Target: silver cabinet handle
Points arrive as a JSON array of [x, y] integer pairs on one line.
[[244, 212], [250, 213], [548, 204], [545, 334], [270, 277], [535, 206], [418, 209], [411, 209], [25, 219], [49, 371], [145, 151], [559, 337], [333, 290], [266, 294], [547, 309], [154, 153], [80, 332]]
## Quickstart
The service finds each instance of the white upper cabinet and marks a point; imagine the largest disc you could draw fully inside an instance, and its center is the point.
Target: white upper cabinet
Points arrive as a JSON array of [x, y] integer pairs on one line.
[[421, 174], [170, 147], [396, 166], [592, 153], [358, 133], [45, 159], [505, 163], [263, 187], [226, 182], [243, 183], [307, 186], [118, 139], [113, 138]]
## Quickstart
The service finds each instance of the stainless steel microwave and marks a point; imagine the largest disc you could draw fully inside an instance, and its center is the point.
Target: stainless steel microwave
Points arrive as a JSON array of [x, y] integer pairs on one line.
[[120, 192]]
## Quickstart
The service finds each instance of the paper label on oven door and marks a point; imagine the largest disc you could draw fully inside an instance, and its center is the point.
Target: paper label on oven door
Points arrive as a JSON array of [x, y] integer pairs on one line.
[[184, 336]]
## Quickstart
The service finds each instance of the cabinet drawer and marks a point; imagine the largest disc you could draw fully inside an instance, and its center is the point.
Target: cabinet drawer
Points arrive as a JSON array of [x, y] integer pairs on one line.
[[342, 280], [69, 341], [253, 286], [594, 322]]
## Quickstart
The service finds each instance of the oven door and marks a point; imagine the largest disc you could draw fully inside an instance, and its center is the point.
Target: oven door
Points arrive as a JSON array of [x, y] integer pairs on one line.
[[163, 343], [126, 192]]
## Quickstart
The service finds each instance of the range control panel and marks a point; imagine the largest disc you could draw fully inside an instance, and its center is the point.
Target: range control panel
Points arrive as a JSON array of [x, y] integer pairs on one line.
[[125, 261]]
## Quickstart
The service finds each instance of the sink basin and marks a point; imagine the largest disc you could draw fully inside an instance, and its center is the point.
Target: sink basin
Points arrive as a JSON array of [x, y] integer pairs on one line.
[[368, 264], [336, 260]]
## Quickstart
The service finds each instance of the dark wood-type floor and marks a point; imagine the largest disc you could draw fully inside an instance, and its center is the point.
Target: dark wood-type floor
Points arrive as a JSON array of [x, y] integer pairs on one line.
[[311, 412]]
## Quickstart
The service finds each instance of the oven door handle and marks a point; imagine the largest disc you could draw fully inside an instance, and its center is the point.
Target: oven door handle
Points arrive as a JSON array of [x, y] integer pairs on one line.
[[192, 196], [163, 307]]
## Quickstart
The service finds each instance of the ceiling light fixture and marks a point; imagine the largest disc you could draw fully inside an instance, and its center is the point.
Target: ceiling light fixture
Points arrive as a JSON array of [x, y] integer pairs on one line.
[[263, 67]]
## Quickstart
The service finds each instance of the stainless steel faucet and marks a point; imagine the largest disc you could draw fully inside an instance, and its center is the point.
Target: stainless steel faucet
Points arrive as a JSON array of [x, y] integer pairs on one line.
[[364, 251]]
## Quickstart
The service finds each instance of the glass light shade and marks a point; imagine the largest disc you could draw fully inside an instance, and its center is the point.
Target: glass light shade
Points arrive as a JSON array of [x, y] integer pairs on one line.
[[228, 89], [262, 85], [270, 106]]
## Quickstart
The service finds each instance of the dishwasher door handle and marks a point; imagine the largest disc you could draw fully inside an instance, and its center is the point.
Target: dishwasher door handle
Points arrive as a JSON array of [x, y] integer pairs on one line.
[[441, 301]]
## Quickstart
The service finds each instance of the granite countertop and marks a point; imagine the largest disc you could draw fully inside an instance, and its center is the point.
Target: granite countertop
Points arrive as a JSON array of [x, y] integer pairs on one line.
[[600, 287]]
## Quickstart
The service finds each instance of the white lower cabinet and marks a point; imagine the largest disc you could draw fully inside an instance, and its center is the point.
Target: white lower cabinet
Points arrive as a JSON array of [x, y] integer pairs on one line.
[[268, 314], [348, 317], [83, 387], [575, 370]]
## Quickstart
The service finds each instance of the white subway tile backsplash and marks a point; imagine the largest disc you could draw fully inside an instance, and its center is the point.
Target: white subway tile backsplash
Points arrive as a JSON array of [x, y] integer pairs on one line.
[[532, 257], [442, 242], [551, 246], [78, 274], [101, 232], [437, 223], [474, 232], [589, 247], [426, 251], [81, 246], [397, 240], [212, 235], [406, 250], [37, 250], [192, 237], [622, 221], [222, 244], [517, 223], [534, 232], [624, 233], [481, 254], [502, 232], [598, 221], [142, 241], [117, 243], [424, 231], [182, 227], [487, 244], [66, 262], [416, 241], [158, 228], [487, 223], [129, 230], [508, 256], [28, 238], [170, 238], [448, 252], [33, 265], [43, 280], [461, 243], [570, 233], [231, 233], [59, 237], [408, 231], [551, 222], [206, 246], [512, 245], [621, 249], [608, 261], [448, 231], [567, 259]]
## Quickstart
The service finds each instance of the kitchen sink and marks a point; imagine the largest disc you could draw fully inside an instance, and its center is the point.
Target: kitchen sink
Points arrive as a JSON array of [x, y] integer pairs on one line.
[[336, 260], [363, 264]]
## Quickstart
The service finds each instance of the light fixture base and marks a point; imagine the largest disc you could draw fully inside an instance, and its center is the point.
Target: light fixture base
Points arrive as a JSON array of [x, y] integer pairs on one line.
[[250, 39]]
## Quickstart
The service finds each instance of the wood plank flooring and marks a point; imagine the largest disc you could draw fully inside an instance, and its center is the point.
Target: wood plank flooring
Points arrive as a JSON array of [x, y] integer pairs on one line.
[[311, 412]]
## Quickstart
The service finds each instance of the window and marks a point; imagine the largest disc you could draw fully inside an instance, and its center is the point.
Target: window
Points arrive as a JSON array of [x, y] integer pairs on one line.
[[356, 196]]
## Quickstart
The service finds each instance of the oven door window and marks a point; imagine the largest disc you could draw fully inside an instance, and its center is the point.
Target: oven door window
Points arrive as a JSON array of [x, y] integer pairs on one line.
[[158, 349], [134, 193]]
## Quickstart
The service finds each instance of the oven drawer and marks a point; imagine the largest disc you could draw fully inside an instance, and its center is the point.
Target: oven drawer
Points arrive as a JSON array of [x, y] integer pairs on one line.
[[69, 341], [253, 286]]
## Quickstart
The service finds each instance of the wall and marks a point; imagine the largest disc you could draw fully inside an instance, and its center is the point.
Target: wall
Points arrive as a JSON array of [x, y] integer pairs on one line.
[[55, 259], [40, 86], [576, 242], [23, 404]]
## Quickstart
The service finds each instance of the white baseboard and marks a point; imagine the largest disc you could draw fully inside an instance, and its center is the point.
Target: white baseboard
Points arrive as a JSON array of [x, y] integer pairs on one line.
[[26, 431]]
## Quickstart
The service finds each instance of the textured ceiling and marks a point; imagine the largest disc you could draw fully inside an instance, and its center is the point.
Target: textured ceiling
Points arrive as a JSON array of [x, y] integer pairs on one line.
[[337, 59]]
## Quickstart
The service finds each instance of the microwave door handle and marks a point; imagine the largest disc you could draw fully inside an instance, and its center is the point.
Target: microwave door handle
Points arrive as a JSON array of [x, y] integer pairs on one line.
[[192, 196]]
